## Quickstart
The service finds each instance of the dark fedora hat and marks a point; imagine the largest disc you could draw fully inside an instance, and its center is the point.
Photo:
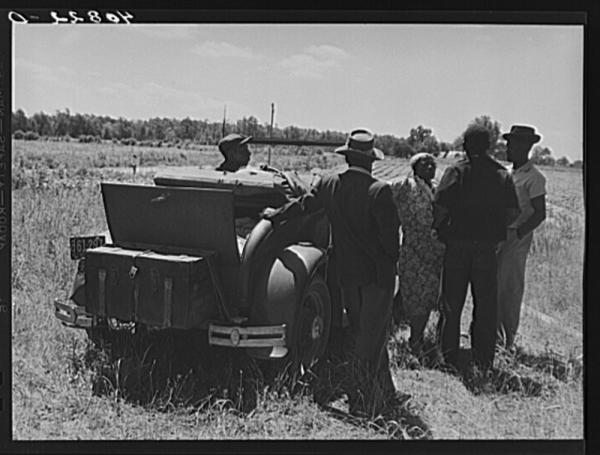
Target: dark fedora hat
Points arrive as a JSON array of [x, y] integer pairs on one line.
[[233, 140], [523, 131], [361, 142]]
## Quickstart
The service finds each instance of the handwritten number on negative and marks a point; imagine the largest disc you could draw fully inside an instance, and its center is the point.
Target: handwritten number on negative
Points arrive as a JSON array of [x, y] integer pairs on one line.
[[74, 17], [57, 18], [125, 15], [94, 16], [113, 18], [17, 18]]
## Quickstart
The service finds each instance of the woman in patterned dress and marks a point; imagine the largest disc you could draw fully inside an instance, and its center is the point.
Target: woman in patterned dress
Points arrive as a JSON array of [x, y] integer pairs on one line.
[[421, 254]]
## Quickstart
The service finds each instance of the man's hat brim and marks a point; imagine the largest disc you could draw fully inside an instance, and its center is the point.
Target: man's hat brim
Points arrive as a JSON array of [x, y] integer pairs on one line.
[[374, 153], [532, 137], [231, 141]]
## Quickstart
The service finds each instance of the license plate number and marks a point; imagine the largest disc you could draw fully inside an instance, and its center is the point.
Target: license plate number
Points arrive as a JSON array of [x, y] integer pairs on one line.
[[80, 244]]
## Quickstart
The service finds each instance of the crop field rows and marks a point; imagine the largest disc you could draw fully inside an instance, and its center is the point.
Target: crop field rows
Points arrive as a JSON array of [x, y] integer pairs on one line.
[[56, 195]]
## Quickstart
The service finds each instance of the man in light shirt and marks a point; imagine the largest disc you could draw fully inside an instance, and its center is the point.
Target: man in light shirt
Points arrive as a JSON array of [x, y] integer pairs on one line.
[[530, 184]]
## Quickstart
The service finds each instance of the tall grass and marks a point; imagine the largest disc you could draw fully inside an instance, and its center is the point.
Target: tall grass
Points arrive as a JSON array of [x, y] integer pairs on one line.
[[52, 378]]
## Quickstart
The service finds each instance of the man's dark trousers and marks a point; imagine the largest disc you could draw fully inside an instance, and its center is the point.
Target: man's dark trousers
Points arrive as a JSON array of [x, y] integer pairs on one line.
[[369, 312], [470, 262]]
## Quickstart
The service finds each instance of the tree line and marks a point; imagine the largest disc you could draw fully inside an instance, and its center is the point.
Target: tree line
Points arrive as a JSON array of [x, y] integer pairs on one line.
[[169, 131]]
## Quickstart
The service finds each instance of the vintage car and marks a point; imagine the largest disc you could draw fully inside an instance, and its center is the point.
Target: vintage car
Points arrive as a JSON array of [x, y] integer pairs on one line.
[[172, 261]]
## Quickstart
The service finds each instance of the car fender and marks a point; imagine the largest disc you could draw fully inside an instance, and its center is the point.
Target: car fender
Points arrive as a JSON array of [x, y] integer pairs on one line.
[[265, 242], [279, 287]]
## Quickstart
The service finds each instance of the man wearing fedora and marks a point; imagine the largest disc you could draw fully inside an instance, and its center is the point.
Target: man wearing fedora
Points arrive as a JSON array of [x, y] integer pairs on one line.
[[531, 192], [235, 150], [473, 206], [365, 240]]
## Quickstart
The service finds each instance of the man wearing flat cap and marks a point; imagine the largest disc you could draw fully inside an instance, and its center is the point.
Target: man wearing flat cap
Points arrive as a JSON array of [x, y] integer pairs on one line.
[[531, 192], [364, 224], [235, 150], [474, 204]]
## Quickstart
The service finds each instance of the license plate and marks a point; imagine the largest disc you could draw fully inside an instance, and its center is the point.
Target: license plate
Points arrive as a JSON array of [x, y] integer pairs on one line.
[[80, 244]]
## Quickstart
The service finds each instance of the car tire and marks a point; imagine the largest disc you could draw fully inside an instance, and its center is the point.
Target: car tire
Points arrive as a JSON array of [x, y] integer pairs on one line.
[[312, 324]]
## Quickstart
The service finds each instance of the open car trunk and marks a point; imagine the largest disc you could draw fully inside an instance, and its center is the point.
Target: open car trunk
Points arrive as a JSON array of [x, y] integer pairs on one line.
[[172, 250]]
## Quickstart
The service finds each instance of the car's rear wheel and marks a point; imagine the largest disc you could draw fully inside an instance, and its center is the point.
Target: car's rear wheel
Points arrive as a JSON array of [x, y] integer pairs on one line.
[[312, 323]]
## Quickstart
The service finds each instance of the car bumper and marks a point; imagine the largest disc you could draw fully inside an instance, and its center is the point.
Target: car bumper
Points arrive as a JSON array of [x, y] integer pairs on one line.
[[237, 336], [219, 334], [72, 315]]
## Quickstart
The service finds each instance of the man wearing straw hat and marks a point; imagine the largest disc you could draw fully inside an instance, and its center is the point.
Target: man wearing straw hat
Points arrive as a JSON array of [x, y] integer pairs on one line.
[[365, 241], [531, 192]]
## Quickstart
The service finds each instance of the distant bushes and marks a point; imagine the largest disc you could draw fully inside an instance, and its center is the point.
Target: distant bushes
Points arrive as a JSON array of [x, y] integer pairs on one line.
[[31, 136], [88, 138], [577, 164], [129, 141], [27, 135]]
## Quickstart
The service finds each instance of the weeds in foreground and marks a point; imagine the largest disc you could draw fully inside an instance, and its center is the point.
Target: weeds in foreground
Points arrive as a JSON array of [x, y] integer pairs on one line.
[[514, 371], [534, 374], [128, 366]]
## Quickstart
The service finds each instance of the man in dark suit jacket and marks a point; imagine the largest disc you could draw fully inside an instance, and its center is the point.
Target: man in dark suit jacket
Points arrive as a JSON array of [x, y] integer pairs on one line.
[[364, 225], [474, 203]]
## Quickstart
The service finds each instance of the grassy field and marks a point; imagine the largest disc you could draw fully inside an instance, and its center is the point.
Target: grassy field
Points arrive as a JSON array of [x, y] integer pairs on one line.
[[55, 195]]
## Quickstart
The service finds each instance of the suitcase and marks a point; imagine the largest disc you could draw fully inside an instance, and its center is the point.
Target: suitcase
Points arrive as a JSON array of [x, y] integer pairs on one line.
[[108, 288], [159, 290], [174, 291]]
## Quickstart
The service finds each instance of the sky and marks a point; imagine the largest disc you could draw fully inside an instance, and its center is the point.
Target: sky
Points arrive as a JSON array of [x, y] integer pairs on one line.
[[385, 77]]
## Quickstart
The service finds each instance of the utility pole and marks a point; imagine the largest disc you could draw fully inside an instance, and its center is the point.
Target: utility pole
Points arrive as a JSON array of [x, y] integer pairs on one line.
[[224, 117], [271, 131]]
